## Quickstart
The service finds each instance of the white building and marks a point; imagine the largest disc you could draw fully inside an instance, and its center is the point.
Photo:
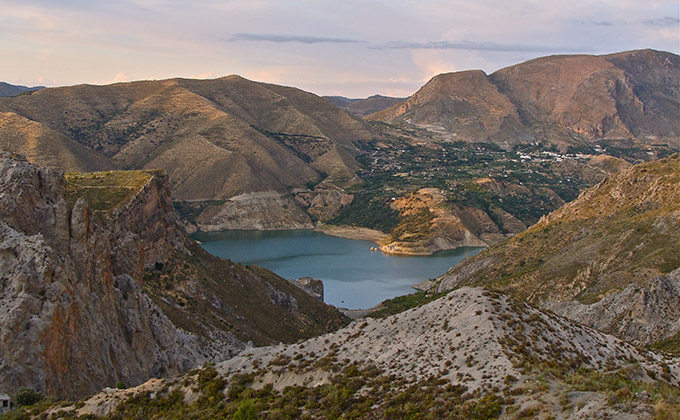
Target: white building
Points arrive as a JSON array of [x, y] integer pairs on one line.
[[5, 403]]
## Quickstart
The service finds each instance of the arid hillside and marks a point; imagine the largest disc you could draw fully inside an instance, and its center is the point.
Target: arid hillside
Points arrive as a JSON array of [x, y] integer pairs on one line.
[[363, 107], [215, 138], [610, 258], [559, 99], [472, 354]]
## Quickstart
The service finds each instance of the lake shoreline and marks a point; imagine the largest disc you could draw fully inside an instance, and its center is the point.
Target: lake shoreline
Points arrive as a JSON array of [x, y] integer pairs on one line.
[[353, 276], [352, 232], [359, 234]]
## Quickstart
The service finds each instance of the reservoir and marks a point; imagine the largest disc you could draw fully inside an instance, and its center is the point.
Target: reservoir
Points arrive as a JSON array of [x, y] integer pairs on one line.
[[354, 276]]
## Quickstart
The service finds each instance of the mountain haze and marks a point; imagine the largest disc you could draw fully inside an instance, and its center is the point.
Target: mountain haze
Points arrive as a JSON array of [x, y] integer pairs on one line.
[[7, 89], [363, 107]]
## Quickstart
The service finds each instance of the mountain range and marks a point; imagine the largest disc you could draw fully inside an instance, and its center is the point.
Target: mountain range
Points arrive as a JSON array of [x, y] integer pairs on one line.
[[242, 154], [558, 99], [7, 89], [216, 139]]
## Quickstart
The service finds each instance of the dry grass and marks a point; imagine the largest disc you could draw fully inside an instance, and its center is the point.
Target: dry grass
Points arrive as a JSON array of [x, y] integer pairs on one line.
[[105, 191]]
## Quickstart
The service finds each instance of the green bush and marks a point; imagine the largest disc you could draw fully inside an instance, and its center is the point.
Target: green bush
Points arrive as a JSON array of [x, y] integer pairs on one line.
[[246, 411], [402, 303], [367, 210], [27, 396]]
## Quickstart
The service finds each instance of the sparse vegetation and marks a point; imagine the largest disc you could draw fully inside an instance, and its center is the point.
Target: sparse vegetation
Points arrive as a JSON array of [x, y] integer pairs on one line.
[[402, 303], [105, 191], [262, 323], [368, 210], [670, 345], [544, 260]]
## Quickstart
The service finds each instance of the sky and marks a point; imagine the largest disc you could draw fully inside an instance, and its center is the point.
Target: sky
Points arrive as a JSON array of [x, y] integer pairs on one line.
[[352, 48]]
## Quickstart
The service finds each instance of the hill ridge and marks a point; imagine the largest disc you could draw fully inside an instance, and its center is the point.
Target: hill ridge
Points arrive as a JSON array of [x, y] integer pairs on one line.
[[614, 241], [566, 99], [470, 352]]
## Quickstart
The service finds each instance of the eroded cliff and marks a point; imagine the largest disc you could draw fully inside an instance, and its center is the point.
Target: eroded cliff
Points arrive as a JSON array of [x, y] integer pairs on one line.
[[99, 284]]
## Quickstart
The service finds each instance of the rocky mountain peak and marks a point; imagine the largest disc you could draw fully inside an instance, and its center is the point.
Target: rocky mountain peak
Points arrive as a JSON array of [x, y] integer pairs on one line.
[[566, 99]]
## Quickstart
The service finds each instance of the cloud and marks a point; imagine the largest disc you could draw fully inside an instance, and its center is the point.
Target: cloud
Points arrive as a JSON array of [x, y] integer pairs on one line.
[[206, 75], [305, 39], [666, 21], [478, 46], [602, 23], [120, 77]]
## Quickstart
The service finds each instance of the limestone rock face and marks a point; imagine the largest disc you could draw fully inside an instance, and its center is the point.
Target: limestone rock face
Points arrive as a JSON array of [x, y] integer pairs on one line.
[[99, 283], [261, 211], [310, 285], [642, 314], [73, 315]]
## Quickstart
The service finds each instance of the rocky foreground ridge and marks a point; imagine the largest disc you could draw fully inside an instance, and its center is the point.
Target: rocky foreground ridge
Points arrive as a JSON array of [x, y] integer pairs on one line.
[[472, 354], [99, 285], [609, 259]]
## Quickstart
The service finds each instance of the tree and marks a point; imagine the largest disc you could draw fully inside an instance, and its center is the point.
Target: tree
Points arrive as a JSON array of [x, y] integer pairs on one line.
[[246, 411], [27, 396]]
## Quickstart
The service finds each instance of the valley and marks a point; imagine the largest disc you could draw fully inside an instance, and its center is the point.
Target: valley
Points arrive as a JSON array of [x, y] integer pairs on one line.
[[564, 169], [274, 157], [353, 276]]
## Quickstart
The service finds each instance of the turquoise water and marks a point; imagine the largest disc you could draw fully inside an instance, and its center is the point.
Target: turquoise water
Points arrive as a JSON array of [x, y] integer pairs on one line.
[[354, 276]]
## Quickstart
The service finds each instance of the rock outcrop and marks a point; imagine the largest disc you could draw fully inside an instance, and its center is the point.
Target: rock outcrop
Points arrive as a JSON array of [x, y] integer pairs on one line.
[[99, 284], [641, 313], [314, 287], [428, 223], [74, 316], [254, 211]]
